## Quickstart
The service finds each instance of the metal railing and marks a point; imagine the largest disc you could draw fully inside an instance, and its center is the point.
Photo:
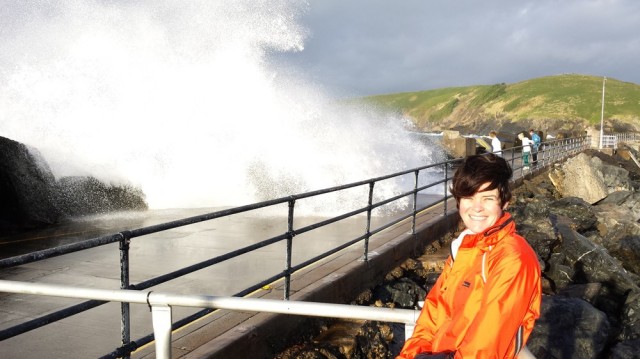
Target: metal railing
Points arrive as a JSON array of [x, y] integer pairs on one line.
[[550, 152], [625, 137], [160, 304], [609, 141]]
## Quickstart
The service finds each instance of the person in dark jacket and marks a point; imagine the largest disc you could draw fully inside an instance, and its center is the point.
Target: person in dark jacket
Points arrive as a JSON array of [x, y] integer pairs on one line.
[[535, 145]]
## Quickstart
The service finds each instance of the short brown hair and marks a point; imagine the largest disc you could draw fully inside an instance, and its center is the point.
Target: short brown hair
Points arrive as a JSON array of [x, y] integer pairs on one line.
[[477, 170]]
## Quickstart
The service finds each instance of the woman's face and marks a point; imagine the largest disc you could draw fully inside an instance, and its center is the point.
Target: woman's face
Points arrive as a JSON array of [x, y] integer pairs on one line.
[[481, 210]]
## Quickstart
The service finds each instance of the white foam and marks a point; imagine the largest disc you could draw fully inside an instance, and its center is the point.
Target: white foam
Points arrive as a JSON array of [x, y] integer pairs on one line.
[[178, 98]]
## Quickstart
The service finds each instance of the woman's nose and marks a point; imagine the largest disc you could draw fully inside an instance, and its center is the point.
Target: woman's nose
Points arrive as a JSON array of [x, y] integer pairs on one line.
[[477, 205]]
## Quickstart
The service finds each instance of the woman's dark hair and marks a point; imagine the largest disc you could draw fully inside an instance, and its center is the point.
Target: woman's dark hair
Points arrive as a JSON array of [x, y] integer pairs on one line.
[[477, 170]]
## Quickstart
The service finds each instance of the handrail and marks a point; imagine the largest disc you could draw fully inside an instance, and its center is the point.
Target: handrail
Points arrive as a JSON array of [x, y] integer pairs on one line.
[[551, 151], [160, 304]]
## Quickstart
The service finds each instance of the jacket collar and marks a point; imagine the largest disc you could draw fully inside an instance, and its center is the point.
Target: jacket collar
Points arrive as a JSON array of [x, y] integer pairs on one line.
[[491, 235]]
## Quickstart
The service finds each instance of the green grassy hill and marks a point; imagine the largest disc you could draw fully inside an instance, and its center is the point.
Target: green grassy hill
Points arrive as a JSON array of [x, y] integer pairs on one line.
[[567, 101]]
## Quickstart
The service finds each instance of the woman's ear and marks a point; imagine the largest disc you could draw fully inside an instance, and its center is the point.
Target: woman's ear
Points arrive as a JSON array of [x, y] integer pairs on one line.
[[504, 208]]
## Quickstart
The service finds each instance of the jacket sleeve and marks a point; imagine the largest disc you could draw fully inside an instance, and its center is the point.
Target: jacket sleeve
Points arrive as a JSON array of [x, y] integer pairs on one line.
[[513, 285], [427, 322]]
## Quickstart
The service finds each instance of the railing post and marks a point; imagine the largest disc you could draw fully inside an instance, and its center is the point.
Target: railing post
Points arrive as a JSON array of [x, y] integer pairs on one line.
[[125, 317], [287, 276], [571, 146], [415, 202], [161, 316], [558, 152], [368, 232], [446, 182], [513, 157]]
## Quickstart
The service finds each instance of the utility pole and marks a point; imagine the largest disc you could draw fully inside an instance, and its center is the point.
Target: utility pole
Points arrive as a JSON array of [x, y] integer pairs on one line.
[[602, 113]]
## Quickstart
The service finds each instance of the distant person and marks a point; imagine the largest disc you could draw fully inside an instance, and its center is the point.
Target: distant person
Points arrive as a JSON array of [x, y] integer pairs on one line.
[[535, 139], [526, 150], [496, 146], [541, 147], [487, 299]]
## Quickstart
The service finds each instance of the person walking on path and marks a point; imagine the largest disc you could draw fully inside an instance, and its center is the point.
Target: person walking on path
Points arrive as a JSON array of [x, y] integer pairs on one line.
[[535, 139], [496, 146], [487, 299], [526, 150]]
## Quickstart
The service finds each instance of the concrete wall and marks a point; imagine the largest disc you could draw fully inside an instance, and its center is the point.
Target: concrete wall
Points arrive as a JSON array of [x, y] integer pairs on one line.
[[595, 137], [458, 146]]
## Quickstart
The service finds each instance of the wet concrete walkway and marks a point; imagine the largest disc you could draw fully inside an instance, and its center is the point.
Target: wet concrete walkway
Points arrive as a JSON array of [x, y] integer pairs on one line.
[[337, 280], [97, 332]]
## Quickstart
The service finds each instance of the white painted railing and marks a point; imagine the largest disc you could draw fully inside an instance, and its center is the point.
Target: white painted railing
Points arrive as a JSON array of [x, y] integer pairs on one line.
[[161, 303], [627, 137], [609, 141]]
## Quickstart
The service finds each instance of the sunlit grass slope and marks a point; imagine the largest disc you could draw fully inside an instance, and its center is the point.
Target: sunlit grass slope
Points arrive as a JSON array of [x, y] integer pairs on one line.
[[568, 96]]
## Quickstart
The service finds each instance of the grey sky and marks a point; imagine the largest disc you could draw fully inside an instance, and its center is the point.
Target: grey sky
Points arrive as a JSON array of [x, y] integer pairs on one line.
[[366, 47]]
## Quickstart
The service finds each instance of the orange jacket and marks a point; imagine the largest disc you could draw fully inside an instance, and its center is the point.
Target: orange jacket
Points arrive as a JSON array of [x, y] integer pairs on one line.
[[485, 302]]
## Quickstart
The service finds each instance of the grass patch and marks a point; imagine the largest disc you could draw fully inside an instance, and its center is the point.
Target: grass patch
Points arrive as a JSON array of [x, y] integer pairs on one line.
[[567, 96]]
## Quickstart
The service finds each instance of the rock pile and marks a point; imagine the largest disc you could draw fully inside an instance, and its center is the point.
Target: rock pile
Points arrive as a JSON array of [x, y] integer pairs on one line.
[[581, 217]]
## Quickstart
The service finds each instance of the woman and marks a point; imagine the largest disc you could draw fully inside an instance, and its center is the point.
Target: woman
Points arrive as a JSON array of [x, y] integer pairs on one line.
[[486, 301]]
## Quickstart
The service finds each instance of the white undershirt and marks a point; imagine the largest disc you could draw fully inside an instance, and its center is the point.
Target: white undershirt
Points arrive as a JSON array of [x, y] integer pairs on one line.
[[457, 242]]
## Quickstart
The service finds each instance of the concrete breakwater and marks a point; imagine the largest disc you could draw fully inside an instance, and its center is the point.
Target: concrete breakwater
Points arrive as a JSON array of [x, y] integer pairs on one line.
[[585, 231]]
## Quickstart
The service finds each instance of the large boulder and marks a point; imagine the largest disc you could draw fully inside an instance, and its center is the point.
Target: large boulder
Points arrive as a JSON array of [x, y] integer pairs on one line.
[[569, 328], [626, 350], [618, 227], [31, 197], [593, 263], [27, 188], [596, 178], [630, 317], [578, 212]]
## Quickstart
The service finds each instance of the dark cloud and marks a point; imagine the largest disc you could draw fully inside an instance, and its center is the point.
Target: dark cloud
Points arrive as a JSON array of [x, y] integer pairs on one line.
[[365, 47]]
